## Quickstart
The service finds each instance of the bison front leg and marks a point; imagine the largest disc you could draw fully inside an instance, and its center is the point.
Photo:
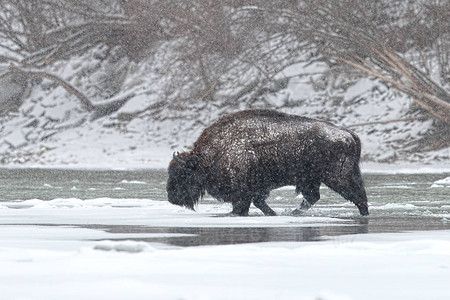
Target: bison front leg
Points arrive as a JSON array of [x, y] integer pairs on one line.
[[241, 207], [260, 202]]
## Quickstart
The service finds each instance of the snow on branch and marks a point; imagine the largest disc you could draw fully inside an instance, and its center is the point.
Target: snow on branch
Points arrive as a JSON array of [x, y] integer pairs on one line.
[[85, 102], [352, 37], [99, 109]]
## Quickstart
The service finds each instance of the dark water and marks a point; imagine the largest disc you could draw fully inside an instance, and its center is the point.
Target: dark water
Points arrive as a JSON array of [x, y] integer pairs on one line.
[[397, 203], [46, 184]]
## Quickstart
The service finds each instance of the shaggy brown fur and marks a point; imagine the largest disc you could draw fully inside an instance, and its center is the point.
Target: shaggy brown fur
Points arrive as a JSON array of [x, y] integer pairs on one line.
[[243, 156]]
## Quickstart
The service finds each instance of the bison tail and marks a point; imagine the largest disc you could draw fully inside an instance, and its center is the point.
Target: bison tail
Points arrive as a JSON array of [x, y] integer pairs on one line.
[[356, 160], [358, 146]]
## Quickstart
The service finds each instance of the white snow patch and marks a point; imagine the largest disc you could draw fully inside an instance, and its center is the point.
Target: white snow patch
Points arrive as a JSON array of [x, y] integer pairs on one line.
[[405, 168], [123, 246], [396, 206], [396, 187], [133, 182], [408, 266], [445, 181], [16, 138]]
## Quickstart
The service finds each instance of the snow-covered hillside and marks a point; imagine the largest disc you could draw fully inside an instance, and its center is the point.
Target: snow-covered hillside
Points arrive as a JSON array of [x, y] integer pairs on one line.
[[51, 128]]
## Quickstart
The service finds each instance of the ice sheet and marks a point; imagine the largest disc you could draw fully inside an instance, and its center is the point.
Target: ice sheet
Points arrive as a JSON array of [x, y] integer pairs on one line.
[[41, 258]]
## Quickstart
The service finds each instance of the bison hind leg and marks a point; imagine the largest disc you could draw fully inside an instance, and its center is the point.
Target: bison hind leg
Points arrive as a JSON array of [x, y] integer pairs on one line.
[[311, 194], [351, 187]]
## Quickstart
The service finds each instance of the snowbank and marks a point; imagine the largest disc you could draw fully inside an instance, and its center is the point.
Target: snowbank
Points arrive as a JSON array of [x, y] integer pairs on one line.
[[158, 158], [442, 183], [84, 249], [377, 266], [406, 167]]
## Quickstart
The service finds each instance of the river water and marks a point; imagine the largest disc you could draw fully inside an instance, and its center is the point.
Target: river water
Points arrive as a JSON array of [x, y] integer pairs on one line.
[[406, 202]]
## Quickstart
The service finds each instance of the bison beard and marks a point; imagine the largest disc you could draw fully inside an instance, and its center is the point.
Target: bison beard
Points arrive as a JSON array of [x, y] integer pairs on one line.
[[243, 156]]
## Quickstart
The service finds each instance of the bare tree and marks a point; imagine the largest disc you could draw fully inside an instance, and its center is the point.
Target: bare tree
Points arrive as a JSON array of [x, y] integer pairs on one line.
[[34, 34], [395, 41], [350, 31]]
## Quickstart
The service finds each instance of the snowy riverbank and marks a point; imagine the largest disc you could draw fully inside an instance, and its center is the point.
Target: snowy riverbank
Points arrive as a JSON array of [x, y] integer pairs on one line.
[[163, 163], [380, 266], [158, 159]]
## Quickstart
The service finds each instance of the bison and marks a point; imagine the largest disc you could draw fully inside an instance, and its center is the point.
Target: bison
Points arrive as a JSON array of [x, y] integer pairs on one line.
[[244, 155]]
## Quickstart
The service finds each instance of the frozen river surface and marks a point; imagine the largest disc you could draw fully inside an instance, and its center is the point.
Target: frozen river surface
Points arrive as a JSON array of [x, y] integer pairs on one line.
[[397, 203], [113, 235]]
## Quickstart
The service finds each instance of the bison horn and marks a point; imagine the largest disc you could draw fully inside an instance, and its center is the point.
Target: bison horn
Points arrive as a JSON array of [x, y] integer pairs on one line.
[[177, 159]]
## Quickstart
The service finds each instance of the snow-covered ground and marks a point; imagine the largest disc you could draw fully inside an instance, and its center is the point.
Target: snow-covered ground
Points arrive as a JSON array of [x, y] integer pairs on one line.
[[51, 250]]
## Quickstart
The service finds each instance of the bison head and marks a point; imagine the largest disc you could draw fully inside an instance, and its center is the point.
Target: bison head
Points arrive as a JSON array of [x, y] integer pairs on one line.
[[184, 186]]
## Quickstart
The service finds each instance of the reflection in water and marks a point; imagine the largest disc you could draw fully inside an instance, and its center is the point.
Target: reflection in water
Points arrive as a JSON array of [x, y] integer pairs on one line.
[[197, 236], [214, 236]]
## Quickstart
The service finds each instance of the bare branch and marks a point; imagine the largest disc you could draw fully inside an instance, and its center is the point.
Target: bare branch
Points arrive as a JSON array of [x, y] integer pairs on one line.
[[85, 102], [388, 122]]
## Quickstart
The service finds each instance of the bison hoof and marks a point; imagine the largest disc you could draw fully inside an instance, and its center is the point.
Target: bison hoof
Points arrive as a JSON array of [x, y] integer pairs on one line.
[[298, 212], [234, 214], [270, 213], [364, 211], [302, 209]]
